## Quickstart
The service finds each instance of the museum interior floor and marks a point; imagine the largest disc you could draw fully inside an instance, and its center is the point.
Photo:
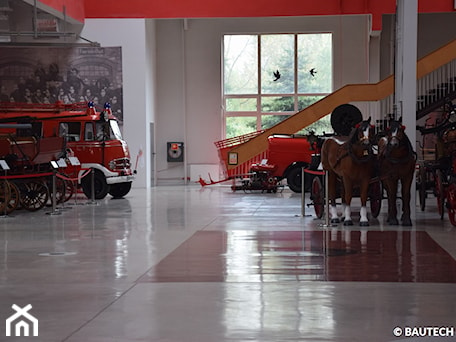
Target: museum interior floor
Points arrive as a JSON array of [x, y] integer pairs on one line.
[[187, 263]]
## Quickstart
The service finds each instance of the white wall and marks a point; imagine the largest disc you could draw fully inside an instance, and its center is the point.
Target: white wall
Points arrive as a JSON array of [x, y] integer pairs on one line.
[[189, 76], [172, 77], [434, 31], [130, 34]]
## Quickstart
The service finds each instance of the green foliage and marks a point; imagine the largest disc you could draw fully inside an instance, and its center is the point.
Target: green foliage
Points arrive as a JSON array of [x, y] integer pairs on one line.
[[239, 125], [279, 96]]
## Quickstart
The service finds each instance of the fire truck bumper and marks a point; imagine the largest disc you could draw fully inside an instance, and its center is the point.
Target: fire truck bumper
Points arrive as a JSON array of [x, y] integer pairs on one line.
[[119, 179]]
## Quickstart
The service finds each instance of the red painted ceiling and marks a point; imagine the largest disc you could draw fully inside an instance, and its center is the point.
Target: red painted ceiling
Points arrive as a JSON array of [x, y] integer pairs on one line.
[[80, 9]]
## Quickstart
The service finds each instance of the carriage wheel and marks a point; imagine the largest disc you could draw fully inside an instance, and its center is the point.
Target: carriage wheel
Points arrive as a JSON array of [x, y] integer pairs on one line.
[[4, 196], [35, 195], [375, 197], [439, 192], [65, 190], [317, 197], [421, 183], [14, 199], [451, 203]]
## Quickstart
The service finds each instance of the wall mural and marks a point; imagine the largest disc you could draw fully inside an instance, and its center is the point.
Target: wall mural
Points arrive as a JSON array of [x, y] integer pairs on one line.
[[46, 75]]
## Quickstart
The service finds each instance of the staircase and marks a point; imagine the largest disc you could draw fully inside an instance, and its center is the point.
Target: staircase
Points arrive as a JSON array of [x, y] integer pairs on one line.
[[435, 89], [436, 75]]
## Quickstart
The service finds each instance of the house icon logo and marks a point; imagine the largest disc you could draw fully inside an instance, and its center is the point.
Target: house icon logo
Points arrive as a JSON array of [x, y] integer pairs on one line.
[[21, 322]]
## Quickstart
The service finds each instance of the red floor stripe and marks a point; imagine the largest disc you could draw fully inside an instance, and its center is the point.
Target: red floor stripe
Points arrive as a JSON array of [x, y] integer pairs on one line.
[[249, 256]]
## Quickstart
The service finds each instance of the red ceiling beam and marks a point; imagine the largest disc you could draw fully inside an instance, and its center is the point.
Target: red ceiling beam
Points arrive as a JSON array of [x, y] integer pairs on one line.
[[242, 8]]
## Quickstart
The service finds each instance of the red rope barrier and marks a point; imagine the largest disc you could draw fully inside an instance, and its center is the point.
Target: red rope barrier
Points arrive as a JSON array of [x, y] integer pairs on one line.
[[319, 173], [64, 177], [34, 175], [37, 175]]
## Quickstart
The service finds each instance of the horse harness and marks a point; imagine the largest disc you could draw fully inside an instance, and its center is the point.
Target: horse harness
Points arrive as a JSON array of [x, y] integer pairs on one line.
[[367, 152], [402, 160]]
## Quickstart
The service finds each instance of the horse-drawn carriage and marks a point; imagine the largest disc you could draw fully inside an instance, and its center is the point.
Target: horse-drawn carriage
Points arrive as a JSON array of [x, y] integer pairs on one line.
[[357, 158], [28, 172], [437, 169]]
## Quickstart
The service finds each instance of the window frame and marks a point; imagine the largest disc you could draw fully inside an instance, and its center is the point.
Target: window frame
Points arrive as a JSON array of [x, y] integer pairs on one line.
[[259, 96]]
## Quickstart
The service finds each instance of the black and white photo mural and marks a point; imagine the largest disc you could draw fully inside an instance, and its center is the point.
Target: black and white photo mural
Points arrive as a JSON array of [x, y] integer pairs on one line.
[[76, 74]]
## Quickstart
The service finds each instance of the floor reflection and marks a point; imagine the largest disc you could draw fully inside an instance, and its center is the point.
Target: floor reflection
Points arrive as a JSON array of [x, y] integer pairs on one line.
[[327, 255]]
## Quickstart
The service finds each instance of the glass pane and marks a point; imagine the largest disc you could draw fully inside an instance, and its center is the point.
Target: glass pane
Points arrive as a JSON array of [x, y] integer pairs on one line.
[[240, 64], [277, 104], [241, 105], [238, 125], [319, 127], [277, 64], [315, 63], [267, 121], [88, 131], [115, 130], [306, 101]]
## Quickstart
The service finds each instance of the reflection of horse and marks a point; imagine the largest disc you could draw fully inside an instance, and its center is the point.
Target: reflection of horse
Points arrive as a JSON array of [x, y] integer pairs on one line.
[[397, 162], [352, 159]]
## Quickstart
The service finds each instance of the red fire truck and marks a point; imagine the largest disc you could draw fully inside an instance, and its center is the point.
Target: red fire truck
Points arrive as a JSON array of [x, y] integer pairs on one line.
[[285, 157], [94, 138]]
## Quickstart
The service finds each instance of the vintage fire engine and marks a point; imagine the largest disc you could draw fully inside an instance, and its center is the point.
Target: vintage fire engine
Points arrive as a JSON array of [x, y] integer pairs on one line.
[[285, 157], [94, 138]]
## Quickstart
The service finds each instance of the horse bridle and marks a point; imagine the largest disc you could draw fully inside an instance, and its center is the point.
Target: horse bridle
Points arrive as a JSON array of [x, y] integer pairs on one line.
[[367, 148], [366, 145], [401, 142]]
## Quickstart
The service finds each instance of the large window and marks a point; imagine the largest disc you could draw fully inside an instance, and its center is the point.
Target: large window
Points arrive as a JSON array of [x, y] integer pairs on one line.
[[268, 77]]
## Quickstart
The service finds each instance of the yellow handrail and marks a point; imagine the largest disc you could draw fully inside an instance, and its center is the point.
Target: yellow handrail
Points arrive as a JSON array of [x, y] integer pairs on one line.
[[346, 94]]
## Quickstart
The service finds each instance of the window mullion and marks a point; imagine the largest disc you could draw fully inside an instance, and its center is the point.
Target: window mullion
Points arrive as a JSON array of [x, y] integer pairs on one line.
[[259, 83], [296, 104]]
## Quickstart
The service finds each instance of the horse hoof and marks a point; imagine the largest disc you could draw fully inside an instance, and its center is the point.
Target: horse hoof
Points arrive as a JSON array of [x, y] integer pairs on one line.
[[348, 223], [364, 224], [392, 222], [407, 223], [335, 220]]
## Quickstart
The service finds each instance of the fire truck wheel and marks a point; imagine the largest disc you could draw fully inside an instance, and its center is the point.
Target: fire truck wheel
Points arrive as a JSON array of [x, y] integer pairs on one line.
[[294, 180], [119, 190], [100, 185]]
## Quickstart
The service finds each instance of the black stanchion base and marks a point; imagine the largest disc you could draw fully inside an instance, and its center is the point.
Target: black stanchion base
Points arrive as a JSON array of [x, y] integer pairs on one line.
[[53, 213]]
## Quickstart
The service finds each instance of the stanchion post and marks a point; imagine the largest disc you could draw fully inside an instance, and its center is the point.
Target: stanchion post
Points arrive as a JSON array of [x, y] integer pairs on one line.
[[5, 167], [54, 190], [54, 194], [5, 184], [327, 224], [62, 164], [92, 187], [303, 193]]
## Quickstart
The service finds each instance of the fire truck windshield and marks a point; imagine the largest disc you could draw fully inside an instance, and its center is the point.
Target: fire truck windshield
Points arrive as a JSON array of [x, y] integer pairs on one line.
[[114, 131]]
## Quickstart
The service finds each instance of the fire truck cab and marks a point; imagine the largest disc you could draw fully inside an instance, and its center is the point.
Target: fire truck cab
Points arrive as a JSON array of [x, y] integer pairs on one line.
[[93, 137]]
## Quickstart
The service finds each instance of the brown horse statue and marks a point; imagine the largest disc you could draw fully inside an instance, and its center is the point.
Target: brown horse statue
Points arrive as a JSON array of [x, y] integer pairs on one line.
[[350, 158], [397, 161]]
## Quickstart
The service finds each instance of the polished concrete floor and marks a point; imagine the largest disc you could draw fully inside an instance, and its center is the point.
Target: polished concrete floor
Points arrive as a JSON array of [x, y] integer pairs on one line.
[[186, 263]]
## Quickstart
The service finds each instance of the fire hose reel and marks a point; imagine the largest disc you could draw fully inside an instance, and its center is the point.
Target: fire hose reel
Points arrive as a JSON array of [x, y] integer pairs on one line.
[[175, 152]]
